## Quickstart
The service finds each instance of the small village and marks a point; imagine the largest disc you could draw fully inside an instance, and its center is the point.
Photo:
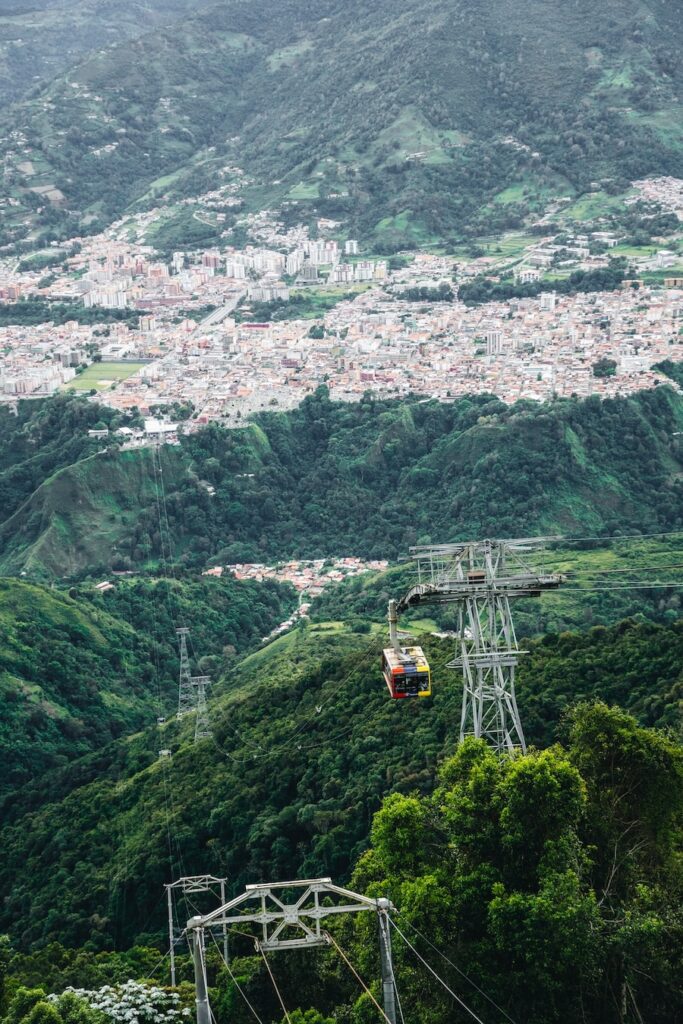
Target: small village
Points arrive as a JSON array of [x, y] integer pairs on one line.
[[308, 577]]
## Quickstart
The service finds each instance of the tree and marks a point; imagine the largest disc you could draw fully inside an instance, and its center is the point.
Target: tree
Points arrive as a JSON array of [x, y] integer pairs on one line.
[[552, 879], [22, 1002], [604, 367], [43, 1013], [5, 958], [308, 1017]]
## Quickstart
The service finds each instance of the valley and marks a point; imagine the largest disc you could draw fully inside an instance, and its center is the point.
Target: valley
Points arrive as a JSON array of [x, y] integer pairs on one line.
[[341, 512]]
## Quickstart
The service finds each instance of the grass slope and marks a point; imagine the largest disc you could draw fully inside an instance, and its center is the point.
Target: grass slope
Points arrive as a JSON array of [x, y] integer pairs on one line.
[[75, 519]]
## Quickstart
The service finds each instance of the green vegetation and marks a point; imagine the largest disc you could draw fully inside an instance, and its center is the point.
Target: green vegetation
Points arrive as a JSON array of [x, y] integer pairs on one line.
[[672, 370], [37, 311], [102, 376], [77, 671], [184, 228], [45, 436], [551, 880], [475, 467], [33, 1006], [38, 42], [285, 790], [428, 125], [484, 289], [307, 304], [442, 293], [605, 368]]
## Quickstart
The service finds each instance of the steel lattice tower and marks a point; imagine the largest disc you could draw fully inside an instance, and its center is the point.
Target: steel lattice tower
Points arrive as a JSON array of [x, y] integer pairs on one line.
[[202, 728], [481, 578], [186, 700]]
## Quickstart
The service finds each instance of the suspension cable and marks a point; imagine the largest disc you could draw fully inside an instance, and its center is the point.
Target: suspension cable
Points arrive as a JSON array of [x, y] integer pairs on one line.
[[158, 964], [236, 982], [289, 740], [353, 970], [433, 972], [460, 972], [272, 978]]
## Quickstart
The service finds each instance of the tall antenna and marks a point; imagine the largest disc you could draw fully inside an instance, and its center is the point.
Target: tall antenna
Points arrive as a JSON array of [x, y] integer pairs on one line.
[[185, 687], [202, 728], [481, 578]]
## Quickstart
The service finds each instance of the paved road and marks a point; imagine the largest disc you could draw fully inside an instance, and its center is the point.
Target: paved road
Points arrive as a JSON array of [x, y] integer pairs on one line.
[[221, 313]]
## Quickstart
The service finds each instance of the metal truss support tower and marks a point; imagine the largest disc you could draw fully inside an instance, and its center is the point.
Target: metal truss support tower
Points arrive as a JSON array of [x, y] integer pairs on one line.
[[481, 578], [291, 925], [190, 885], [201, 984], [185, 687], [202, 728], [386, 958]]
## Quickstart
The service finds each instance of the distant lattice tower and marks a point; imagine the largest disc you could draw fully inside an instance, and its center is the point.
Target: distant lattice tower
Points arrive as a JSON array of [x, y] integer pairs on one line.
[[186, 695], [202, 728]]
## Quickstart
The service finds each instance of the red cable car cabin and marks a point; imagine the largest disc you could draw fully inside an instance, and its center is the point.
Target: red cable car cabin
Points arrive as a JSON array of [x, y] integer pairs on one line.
[[406, 672]]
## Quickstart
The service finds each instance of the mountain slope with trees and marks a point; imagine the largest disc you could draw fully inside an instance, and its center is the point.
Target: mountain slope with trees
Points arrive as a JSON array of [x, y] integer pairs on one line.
[[283, 789], [404, 119], [38, 40], [323, 480], [79, 670]]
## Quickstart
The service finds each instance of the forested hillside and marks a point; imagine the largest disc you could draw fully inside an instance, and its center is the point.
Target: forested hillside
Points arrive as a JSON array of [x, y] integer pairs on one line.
[[78, 671], [40, 39], [561, 866], [324, 478], [284, 789], [43, 437], [404, 119]]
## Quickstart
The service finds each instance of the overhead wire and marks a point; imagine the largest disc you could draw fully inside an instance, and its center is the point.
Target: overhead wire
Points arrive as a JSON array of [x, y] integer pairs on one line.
[[314, 715], [461, 972], [431, 970], [235, 981], [633, 568], [621, 539], [353, 970], [653, 585], [158, 965], [380, 712], [272, 978]]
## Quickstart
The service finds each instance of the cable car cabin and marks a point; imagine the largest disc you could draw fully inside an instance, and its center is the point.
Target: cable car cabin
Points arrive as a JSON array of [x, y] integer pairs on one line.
[[406, 674]]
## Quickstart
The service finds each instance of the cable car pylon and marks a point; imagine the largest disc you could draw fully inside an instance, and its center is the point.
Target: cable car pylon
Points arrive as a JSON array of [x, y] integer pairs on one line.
[[289, 915], [480, 578]]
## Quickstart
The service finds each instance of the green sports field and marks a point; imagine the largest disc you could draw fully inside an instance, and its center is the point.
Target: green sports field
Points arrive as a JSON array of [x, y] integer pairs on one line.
[[102, 376]]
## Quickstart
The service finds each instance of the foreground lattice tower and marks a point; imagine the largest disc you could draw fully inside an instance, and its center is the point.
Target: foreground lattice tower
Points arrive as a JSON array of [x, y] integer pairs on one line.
[[481, 578], [202, 728], [185, 687]]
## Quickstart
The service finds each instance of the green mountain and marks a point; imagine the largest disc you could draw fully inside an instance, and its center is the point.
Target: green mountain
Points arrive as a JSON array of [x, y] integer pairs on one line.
[[72, 523], [40, 38], [403, 119], [370, 479], [306, 746], [80, 670]]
